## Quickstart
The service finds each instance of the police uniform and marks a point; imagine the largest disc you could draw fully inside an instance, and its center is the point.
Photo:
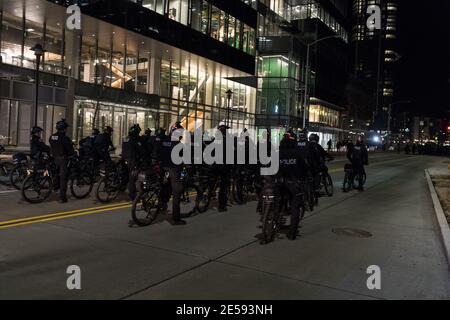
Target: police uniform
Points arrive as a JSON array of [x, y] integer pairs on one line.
[[62, 149], [132, 154], [37, 147], [166, 146], [293, 169], [358, 156]]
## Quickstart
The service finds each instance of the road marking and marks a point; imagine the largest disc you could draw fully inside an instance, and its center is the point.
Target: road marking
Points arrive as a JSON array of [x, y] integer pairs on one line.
[[61, 215], [5, 226], [8, 191], [373, 164]]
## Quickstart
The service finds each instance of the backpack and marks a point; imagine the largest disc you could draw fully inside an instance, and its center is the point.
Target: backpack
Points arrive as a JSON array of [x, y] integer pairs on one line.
[[87, 143]]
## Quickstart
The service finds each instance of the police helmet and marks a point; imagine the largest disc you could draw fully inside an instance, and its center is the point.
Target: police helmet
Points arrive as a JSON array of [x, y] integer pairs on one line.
[[36, 130], [108, 130], [61, 125], [134, 130]]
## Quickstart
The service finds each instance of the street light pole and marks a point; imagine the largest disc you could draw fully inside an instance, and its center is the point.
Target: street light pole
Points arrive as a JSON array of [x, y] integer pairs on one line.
[[38, 52], [307, 75], [229, 96]]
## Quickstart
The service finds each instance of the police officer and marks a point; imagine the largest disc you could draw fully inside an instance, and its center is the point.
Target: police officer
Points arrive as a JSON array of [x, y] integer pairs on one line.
[[174, 172], [37, 145], [359, 157], [148, 142], [293, 169], [62, 149], [87, 145], [132, 152], [223, 172], [103, 144], [323, 155]]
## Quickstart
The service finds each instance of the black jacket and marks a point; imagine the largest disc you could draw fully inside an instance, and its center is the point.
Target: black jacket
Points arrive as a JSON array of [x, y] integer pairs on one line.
[[38, 146], [357, 154], [61, 145], [293, 164]]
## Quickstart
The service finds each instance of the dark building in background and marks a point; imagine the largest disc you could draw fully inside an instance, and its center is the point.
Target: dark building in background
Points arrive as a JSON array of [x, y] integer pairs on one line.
[[375, 54]]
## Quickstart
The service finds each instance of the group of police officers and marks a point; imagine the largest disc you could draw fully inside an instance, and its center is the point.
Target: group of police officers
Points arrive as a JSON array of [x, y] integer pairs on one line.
[[300, 157]]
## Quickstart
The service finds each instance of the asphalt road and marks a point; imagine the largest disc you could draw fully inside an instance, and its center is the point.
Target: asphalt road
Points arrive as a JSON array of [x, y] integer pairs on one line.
[[218, 255]]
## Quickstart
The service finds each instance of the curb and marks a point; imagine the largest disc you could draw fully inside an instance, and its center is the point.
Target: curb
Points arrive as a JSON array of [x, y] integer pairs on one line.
[[440, 217]]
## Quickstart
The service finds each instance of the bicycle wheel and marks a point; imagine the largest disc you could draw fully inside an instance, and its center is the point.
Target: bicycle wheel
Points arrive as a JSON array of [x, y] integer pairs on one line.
[[146, 208], [328, 184], [81, 185], [107, 189], [239, 191], [5, 169], [309, 197], [201, 200], [269, 222], [17, 176], [348, 184], [188, 201], [36, 189]]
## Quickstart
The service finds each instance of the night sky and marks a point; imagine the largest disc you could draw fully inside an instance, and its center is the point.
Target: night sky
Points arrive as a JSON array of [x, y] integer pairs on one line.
[[424, 69]]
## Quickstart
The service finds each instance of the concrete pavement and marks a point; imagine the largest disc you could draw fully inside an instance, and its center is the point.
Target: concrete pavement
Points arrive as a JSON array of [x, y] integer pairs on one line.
[[218, 255]]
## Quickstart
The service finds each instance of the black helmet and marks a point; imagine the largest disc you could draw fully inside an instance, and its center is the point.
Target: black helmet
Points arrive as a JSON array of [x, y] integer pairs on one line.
[[95, 132], [61, 125], [36, 130], [303, 135], [108, 130], [135, 130], [313, 137]]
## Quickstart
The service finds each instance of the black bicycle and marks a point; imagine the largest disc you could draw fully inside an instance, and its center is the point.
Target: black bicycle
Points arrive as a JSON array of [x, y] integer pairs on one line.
[[44, 179], [20, 171], [5, 169], [326, 182], [243, 184], [193, 199], [351, 181], [113, 182], [148, 203], [274, 204]]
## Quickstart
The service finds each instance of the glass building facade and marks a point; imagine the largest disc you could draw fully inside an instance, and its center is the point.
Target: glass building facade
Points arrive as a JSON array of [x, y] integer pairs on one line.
[[120, 69], [203, 16]]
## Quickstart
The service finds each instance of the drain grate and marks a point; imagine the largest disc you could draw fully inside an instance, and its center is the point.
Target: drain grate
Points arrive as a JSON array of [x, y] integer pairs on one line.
[[351, 232]]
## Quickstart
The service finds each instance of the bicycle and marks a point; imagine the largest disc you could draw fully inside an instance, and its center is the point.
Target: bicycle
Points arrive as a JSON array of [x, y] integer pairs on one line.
[[326, 182], [273, 205], [243, 184], [5, 169], [192, 197], [20, 170], [148, 203], [113, 182], [44, 179], [350, 180]]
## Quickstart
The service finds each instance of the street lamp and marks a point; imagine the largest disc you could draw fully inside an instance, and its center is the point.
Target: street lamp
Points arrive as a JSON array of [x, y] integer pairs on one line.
[[229, 96], [38, 52], [307, 75]]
